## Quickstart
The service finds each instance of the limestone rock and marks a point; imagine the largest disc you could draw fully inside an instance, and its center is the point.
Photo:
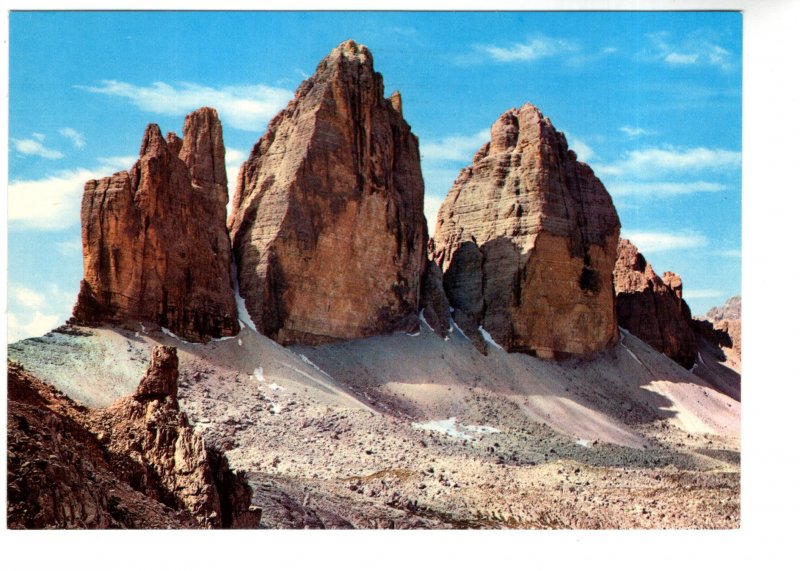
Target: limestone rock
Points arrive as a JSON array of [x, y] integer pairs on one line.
[[727, 325], [155, 245], [435, 306], [328, 228], [161, 378], [136, 464], [527, 239], [652, 308]]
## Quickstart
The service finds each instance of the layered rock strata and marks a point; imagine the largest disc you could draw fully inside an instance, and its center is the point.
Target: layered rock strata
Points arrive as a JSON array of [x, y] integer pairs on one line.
[[135, 464], [651, 307], [327, 224], [155, 245], [527, 240]]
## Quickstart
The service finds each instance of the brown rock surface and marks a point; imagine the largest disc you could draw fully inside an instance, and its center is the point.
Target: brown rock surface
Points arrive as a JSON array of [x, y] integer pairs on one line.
[[728, 320], [327, 224], [652, 308], [136, 464], [155, 245], [527, 240], [435, 306]]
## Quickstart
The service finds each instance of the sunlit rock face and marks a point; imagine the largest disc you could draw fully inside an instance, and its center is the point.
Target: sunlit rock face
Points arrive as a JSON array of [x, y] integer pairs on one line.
[[327, 224], [155, 244], [527, 239]]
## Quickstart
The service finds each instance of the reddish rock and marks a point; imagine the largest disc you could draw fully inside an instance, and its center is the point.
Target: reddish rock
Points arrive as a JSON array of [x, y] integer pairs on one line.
[[435, 306], [328, 228], [527, 239], [137, 464], [726, 322], [652, 308], [155, 245]]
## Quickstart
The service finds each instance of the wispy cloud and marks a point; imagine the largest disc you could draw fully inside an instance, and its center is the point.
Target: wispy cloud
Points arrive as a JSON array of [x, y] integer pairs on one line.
[[702, 293], [23, 326], [69, 247], [454, 148], [35, 312], [54, 201], [634, 132], [731, 253], [27, 297], [692, 50], [246, 107], [649, 242], [432, 205], [35, 147], [581, 148], [77, 139], [653, 162], [662, 188], [533, 49]]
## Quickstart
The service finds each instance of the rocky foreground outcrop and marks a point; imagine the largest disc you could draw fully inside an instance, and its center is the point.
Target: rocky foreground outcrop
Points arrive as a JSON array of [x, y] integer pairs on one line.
[[135, 464], [527, 240], [651, 307], [155, 245], [328, 229]]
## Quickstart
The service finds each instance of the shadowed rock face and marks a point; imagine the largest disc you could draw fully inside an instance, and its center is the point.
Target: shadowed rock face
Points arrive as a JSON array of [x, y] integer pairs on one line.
[[155, 246], [138, 463], [527, 239], [328, 228], [652, 308]]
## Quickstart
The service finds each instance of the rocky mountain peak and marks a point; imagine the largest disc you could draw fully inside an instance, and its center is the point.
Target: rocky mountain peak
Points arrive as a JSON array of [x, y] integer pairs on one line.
[[155, 244], [327, 224], [527, 239]]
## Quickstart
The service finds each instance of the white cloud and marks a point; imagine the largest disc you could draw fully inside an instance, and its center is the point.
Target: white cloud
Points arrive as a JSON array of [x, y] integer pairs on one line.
[[54, 202], [36, 326], [702, 293], [681, 59], [432, 205], [459, 148], [732, 253], [69, 247], [654, 162], [246, 107], [694, 49], [584, 151], [78, 140], [531, 50], [662, 188], [35, 147], [27, 297], [634, 132], [649, 242]]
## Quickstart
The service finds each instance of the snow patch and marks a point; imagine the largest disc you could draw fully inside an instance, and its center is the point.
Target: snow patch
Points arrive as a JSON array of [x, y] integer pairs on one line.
[[488, 338], [276, 387], [413, 334], [240, 342], [584, 443], [700, 359], [450, 427], [308, 361], [244, 316], [258, 373], [454, 324], [423, 320], [166, 331], [622, 342]]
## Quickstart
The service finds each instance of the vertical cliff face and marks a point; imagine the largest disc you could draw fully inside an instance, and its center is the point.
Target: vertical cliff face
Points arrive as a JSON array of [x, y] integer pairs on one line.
[[155, 246], [652, 308], [327, 225], [527, 239]]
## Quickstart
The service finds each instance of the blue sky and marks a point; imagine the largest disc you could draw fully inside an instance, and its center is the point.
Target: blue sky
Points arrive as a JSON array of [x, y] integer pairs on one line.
[[652, 101]]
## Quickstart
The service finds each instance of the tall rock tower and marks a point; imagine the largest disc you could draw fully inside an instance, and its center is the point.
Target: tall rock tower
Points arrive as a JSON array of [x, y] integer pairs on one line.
[[327, 224], [155, 245], [527, 239]]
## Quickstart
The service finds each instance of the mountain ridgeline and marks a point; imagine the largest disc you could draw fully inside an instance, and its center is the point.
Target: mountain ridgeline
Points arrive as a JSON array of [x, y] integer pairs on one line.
[[328, 240]]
